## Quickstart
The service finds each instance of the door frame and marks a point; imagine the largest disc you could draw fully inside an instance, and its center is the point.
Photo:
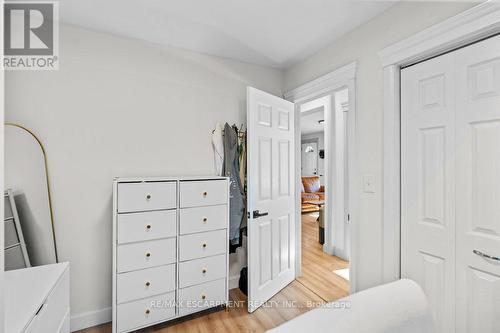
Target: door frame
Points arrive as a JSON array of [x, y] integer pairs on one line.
[[326, 86], [479, 22]]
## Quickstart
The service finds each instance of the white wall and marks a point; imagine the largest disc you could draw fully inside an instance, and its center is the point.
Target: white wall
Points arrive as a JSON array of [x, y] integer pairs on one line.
[[363, 45], [2, 104], [120, 107]]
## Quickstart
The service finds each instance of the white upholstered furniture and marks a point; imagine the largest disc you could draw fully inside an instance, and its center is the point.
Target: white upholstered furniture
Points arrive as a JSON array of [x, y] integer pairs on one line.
[[396, 307], [37, 299], [170, 248]]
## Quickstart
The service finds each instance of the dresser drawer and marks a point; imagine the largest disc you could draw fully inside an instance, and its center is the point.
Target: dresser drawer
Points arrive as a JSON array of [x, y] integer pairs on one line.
[[135, 197], [134, 227], [202, 219], [202, 270], [203, 296], [202, 245], [203, 193], [145, 312], [145, 254], [145, 283], [52, 313]]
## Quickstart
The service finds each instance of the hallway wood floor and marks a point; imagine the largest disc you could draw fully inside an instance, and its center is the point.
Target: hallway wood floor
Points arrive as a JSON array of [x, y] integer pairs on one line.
[[317, 285], [318, 267]]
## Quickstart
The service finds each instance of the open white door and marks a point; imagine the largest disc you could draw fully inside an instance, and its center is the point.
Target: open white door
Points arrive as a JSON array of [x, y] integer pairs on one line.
[[271, 204]]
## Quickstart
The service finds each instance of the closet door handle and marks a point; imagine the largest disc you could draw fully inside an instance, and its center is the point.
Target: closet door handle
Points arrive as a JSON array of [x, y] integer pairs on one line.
[[484, 255]]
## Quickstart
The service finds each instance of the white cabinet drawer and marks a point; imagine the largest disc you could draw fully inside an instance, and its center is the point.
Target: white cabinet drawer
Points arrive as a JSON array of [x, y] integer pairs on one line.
[[145, 254], [10, 233], [135, 197], [145, 312], [201, 297], [51, 315], [202, 219], [202, 245], [203, 193], [202, 270], [14, 258], [145, 283], [64, 326], [143, 226]]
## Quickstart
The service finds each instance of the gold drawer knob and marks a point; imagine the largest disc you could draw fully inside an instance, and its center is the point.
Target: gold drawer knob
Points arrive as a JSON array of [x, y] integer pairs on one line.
[[148, 284], [148, 197], [204, 245], [203, 296], [205, 194], [205, 220], [148, 254], [148, 311], [148, 227], [204, 270]]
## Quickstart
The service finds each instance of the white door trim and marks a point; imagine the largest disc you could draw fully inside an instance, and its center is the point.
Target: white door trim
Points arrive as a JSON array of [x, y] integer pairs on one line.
[[326, 86], [477, 23]]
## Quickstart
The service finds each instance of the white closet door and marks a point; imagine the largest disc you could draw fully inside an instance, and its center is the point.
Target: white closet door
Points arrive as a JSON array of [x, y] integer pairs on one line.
[[427, 183], [478, 186]]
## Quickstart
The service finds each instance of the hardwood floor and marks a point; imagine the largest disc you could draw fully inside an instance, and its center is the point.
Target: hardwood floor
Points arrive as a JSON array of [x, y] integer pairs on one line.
[[318, 267], [317, 285]]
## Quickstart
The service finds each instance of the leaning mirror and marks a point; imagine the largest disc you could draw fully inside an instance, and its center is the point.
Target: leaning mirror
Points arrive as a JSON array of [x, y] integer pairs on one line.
[[29, 238]]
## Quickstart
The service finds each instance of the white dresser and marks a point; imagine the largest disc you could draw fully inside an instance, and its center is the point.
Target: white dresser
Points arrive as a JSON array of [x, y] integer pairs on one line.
[[37, 299], [170, 248]]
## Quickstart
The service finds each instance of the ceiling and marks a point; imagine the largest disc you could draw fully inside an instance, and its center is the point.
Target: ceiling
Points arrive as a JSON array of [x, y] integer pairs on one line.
[[309, 121], [276, 33]]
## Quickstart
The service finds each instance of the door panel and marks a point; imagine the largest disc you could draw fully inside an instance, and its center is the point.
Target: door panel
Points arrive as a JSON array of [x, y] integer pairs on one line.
[[309, 158], [450, 178], [271, 238], [427, 183], [478, 178]]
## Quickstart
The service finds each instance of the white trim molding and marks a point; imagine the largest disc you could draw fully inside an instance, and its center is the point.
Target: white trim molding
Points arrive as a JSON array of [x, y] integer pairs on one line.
[[323, 84], [475, 24], [325, 88], [89, 319], [472, 25]]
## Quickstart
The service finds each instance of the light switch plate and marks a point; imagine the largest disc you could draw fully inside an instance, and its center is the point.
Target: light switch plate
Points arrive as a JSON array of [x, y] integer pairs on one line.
[[368, 184]]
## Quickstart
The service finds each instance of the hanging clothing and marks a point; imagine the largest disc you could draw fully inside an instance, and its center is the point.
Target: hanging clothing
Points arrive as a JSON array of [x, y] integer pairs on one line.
[[231, 170], [218, 145], [242, 144]]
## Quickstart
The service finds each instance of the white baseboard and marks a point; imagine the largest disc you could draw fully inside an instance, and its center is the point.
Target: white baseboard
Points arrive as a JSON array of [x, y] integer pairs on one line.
[[89, 319], [234, 281], [329, 250]]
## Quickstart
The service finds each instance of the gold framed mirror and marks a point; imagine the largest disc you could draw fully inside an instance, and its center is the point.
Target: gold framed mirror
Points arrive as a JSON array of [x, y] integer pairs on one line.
[[27, 177]]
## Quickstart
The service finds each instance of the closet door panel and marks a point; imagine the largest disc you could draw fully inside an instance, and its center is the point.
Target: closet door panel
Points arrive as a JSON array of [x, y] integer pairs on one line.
[[478, 186], [427, 183]]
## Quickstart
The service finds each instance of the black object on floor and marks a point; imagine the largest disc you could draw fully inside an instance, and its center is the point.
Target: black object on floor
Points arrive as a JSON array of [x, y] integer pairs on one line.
[[321, 235], [243, 282]]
